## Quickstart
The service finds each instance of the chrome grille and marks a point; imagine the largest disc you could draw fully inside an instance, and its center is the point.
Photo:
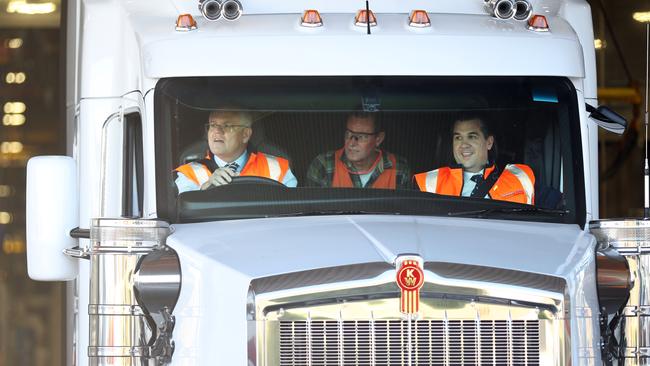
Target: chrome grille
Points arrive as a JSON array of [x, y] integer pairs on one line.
[[402, 342]]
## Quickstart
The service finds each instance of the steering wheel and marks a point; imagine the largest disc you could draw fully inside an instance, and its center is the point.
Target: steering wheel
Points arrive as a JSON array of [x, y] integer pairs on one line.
[[251, 179]]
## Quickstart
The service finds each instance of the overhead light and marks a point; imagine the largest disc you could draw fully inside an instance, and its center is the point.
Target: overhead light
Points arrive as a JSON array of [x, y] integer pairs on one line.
[[599, 44], [23, 7], [13, 119], [14, 43], [20, 77], [642, 16], [11, 147], [5, 218], [15, 77], [6, 191], [13, 244], [15, 107]]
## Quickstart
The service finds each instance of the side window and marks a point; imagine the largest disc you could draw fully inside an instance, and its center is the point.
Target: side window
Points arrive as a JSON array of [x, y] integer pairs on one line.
[[132, 175]]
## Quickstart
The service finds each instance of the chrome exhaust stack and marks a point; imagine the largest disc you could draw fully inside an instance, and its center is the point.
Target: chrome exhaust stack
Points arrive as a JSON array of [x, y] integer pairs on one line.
[[523, 10], [134, 286], [500, 9], [628, 318], [231, 10], [210, 9]]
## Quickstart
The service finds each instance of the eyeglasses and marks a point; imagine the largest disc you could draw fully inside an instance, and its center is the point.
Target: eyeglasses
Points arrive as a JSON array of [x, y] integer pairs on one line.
[[358, 136], [227, 128]]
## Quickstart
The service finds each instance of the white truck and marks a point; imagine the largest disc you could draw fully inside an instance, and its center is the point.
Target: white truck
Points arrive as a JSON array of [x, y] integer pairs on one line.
[[256, 273]]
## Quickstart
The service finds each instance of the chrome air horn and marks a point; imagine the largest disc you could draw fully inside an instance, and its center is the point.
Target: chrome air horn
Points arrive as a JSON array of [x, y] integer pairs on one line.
[[231, 10], [211, 9], [501, 9], [523, 10]]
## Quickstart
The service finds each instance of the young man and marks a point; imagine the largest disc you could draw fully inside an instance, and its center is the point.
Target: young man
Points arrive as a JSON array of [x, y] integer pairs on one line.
[[360, 163], [475, 175], [228, 134]]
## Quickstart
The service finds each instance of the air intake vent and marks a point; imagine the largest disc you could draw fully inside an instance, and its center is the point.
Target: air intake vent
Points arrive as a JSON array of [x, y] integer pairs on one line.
[[423, 342]]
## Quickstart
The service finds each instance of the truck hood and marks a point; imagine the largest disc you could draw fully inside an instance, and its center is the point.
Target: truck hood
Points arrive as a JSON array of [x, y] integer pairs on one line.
[[220, 259], [260, 248]]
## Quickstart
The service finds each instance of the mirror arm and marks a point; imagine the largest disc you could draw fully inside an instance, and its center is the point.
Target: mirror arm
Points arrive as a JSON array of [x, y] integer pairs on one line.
[[79, 233]]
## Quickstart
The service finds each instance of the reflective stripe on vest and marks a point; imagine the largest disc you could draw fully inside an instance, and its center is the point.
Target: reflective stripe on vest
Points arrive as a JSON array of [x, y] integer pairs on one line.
[[260, 165], [445, 181], [431, 181], [267, 166], [196, 172], [524, 179], [274, 167], [515, 184]]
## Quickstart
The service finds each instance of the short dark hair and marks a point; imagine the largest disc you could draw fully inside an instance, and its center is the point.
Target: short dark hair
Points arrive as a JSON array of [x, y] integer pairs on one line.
[[374, 117], [483, 124]]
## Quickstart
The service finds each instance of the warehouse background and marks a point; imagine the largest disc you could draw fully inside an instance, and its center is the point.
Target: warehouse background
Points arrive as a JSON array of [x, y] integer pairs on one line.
[[32, 80]]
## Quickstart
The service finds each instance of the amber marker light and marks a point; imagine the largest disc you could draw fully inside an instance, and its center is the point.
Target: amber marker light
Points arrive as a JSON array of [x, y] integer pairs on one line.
[[185, 22], [361, 20], [538, 23], [419, 19], [311, 19]]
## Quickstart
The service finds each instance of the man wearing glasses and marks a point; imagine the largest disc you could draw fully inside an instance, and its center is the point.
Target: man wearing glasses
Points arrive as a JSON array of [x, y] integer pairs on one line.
[[360, 163], [228, 133]]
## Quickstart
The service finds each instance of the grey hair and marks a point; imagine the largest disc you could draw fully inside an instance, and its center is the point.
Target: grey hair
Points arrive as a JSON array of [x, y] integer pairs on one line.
[[245, 117]]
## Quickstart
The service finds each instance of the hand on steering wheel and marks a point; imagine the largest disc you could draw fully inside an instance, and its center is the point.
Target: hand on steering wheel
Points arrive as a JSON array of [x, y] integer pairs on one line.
[[219, 177]]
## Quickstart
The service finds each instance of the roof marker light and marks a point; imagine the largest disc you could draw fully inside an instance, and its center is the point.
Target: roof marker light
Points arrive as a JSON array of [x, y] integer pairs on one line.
[[361, 20], [311, 19], [185, 22], [419, 19], [538, 23]]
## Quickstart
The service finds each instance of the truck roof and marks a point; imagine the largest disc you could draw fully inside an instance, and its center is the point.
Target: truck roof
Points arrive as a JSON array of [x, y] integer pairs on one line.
[[275, 44], [548, 7]]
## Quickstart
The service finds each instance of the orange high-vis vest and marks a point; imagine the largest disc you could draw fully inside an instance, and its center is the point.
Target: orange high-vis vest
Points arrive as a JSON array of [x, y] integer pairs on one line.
[[258, 165], [515, 184], [387, 179]]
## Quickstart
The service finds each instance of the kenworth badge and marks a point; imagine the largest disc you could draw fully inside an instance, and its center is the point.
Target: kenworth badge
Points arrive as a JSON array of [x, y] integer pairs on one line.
[[410, 279]]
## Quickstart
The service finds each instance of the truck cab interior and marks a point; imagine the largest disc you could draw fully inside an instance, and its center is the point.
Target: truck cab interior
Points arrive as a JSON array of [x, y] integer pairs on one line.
[[534, 121]]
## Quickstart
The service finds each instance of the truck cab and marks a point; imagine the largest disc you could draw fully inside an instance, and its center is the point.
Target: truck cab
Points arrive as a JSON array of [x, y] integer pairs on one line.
[[261, 272]]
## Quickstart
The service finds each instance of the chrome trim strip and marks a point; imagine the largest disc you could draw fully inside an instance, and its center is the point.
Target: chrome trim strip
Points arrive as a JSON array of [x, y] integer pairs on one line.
[[496, 275]]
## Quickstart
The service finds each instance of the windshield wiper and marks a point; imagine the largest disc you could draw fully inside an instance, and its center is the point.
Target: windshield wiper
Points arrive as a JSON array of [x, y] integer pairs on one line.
[[507, 210], [334, 213]]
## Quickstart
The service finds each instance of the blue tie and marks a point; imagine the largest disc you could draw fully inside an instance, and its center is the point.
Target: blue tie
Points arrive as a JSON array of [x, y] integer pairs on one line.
[[232, 166], [478, 178]]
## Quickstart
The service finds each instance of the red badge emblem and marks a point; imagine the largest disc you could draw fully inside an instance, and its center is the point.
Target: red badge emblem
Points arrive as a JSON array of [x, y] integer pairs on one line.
[[410, 279]]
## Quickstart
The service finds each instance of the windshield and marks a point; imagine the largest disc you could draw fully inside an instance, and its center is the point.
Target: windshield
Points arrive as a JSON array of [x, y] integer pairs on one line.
[[247, 147]]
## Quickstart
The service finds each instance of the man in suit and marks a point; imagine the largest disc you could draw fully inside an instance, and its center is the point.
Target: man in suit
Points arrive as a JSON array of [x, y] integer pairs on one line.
[[475, 175], [228, 134]]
